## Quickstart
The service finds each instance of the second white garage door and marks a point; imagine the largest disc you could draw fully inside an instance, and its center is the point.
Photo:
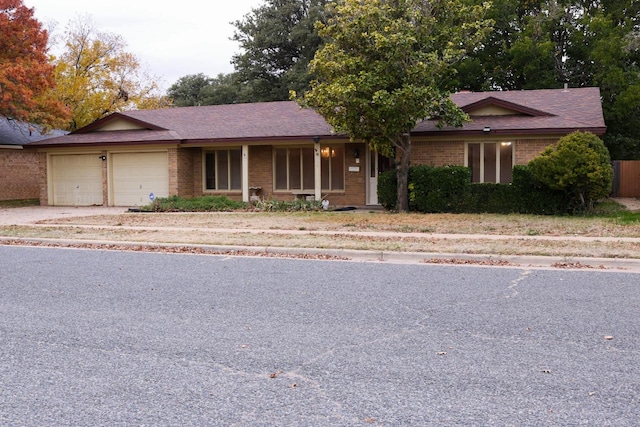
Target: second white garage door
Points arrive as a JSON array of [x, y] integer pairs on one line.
[[137, 176]]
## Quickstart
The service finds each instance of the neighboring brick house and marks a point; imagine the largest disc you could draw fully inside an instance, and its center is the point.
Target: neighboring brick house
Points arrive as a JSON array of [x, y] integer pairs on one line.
[[278, 150], [19, 169]]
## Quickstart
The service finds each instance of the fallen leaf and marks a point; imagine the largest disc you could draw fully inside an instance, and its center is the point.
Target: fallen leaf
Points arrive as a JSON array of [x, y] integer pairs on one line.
[[608, 337], [441, 353]]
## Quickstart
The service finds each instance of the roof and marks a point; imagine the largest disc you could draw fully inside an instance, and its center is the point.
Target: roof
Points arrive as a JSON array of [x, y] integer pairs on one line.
[[16, 133], [532, 111]]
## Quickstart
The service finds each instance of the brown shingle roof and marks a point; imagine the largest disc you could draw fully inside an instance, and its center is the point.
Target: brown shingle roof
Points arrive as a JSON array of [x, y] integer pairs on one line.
[[540, 111], [567, 110]]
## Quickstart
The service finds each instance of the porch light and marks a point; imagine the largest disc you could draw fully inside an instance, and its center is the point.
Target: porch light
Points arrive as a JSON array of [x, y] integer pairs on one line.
[[326, 152], [505, 144]]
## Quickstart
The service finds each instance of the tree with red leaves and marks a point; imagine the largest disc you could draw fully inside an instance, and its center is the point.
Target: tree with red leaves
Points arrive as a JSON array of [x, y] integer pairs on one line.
[[26, 76]]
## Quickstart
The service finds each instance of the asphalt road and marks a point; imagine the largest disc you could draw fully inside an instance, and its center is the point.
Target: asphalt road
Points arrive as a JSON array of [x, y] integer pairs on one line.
[[128, 338]]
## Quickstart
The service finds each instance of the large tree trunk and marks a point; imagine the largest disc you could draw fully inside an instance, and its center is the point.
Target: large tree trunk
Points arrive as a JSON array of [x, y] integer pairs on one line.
[[403, 158]]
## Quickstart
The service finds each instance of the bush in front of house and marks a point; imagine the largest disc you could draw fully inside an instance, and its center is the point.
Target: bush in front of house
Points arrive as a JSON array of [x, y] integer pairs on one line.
[[438, 189], [489, 198], [196, 204], [529, 196], [298, 205], [388, 190], [449, 189], [579, 166]]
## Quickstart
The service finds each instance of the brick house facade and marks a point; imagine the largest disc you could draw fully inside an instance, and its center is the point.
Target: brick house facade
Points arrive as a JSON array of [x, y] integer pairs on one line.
[[278, 150], [19, 164]]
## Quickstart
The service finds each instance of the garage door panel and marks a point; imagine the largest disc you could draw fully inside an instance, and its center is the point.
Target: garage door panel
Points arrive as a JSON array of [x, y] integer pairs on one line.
[[76, 180], [137, 175]]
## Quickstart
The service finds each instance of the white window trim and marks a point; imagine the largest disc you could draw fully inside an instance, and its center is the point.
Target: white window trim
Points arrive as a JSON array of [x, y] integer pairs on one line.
[[498, 157], [229, 168]]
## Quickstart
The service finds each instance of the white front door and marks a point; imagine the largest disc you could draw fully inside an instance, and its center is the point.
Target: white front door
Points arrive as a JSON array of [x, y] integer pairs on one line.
[[376, 164]]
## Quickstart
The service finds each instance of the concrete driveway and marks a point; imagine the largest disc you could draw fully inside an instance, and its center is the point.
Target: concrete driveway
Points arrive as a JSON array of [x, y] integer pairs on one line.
[[32, 214]]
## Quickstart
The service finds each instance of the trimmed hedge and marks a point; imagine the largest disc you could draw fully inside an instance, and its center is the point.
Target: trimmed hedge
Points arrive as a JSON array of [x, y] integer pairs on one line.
[[449, 189], [438, 189]]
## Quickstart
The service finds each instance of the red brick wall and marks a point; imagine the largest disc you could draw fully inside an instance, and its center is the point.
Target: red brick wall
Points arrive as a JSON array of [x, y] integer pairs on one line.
[[19, 174], [42, 179], [443, 153], [437, 153], [527, 149], [261, 169], [354, 182], [185, 171]]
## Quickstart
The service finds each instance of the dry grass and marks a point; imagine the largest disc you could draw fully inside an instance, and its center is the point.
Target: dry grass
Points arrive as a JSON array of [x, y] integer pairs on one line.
[[380, 231]]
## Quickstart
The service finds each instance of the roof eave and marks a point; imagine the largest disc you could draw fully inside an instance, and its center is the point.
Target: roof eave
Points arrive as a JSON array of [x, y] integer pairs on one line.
[[493, 131]]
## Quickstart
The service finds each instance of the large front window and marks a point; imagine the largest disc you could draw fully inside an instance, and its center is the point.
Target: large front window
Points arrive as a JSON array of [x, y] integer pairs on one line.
[[490, 161], [223, 170], [294, 168]]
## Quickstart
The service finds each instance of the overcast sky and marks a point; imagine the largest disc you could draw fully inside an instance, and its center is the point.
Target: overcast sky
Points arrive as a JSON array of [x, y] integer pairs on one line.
[[188, 37]]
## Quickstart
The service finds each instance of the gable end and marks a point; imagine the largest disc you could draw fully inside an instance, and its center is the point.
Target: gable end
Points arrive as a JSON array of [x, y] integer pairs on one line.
[[492, 106], [115, 122]]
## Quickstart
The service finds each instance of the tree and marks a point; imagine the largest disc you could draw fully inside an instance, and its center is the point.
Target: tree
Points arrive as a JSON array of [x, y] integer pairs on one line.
[[198, 89], [279, 40], [96, 76], [26, 76], [578, 165], [544, 44], [385, 66]]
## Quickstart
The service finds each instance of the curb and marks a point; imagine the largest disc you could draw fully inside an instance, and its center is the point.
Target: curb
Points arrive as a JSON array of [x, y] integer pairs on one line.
[[469, 260]]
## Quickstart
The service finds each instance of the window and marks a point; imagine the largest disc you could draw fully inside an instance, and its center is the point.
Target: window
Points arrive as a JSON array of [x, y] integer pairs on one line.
[[223, 170], [490, 161], [294, 168]]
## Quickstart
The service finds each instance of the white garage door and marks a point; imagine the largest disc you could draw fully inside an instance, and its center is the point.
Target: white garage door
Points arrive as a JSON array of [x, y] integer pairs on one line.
[[76, 179], [137, 176]]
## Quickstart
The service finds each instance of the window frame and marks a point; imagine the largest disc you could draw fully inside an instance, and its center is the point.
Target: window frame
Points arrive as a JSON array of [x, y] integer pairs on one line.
[[230, 178], [498, 157], [305, 164]]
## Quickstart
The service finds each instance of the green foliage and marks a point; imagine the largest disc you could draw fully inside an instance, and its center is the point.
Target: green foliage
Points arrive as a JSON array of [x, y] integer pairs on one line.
[[384, 67], [196, 204], [579, 166], [19, 203], [488, 198], [540, 45], [449, 189], [438, 189], [388, 190], [278, 40], [533, 197], [198, 89], [297, 205]]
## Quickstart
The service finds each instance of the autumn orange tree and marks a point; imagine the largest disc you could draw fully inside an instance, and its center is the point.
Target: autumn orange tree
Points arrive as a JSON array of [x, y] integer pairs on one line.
[[96, 76], [26, 76]]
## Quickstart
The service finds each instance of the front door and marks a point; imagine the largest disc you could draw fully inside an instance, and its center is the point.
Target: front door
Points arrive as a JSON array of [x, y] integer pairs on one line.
[[376, 165]]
